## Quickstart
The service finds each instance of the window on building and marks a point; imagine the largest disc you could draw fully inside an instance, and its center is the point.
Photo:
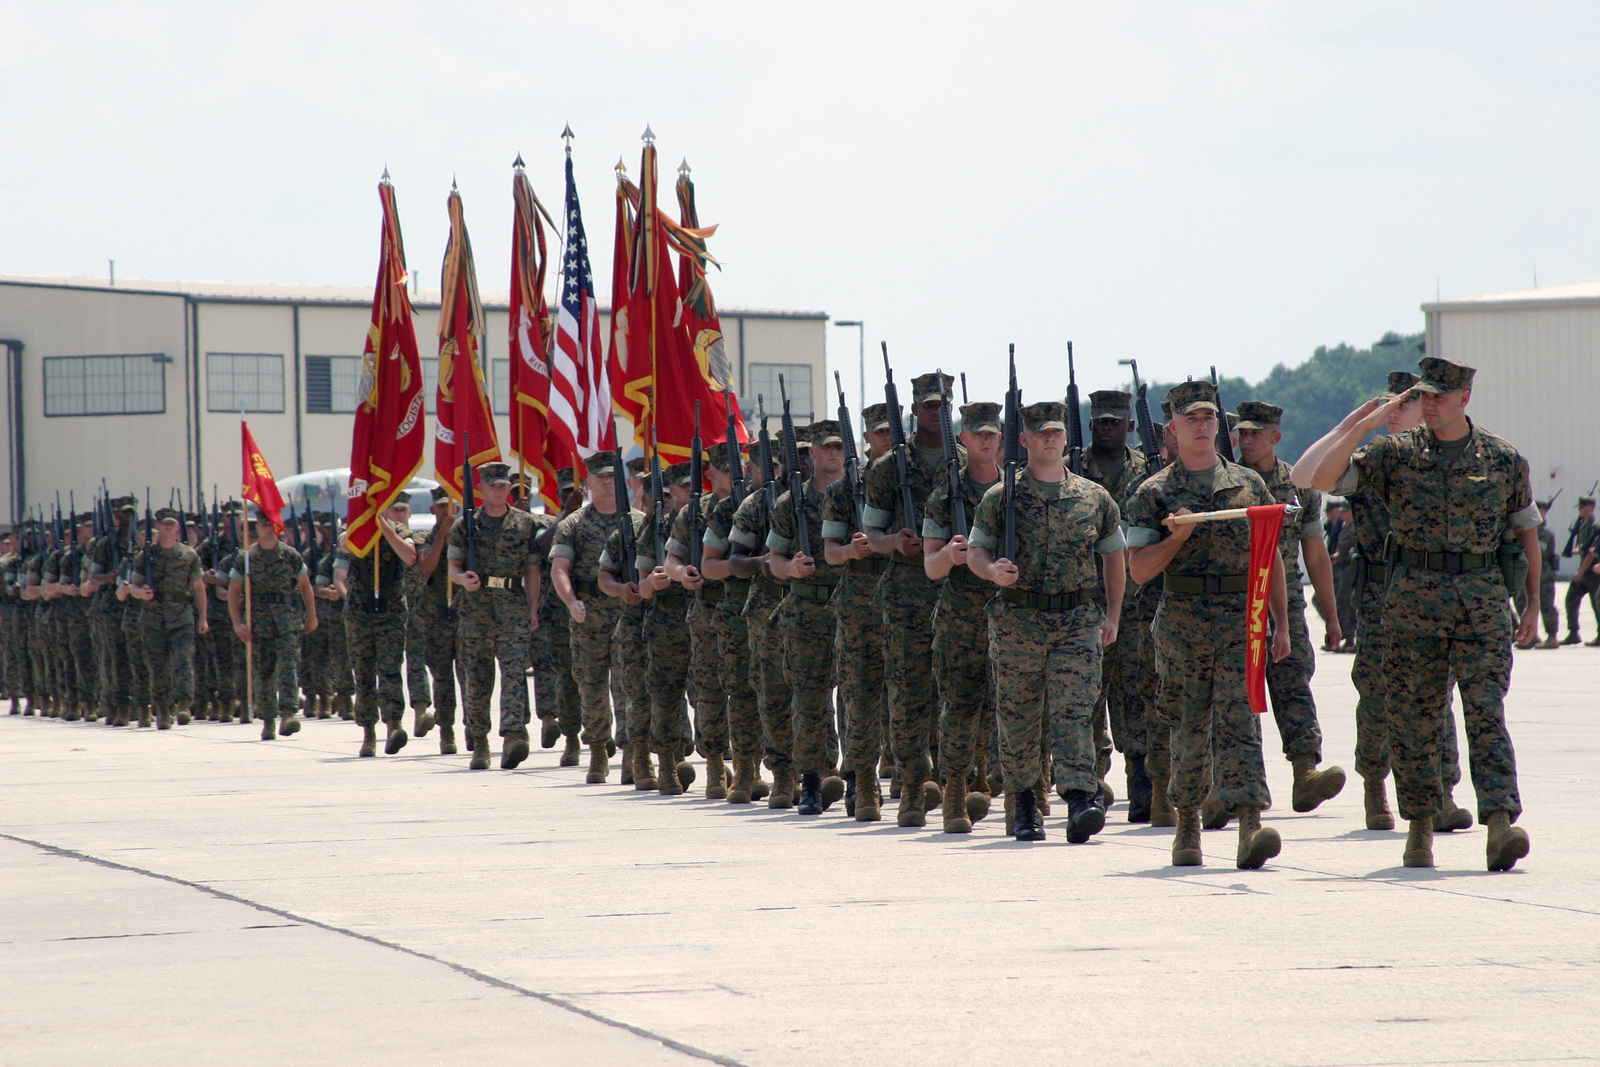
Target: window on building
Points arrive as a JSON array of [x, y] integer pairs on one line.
[[331, 384], [105, 385], [500, 386], [241, 380], [762, 379]]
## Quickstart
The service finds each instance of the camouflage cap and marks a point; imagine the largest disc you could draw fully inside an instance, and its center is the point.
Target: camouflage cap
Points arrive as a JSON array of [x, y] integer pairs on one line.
[[980, 416], [1254, 415], [87, 518], [1233, 422], [678, 474], [824, 432], [1109, 404], [1586, 502], [636, 466], [439, 494], [232, 507], [1401, 381], [874, 418], [401, 501], [1043, 416], [1166, 410], [566, 480], [1191, 396], [125, 503], [494, 474], [166, 514], [602, 462], [934, 386], [717, 456], [1443, 376]]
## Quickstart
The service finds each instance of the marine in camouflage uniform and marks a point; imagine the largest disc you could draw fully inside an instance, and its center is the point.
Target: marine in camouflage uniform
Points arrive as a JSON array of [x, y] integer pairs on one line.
[[67, 568], [574, 565], [440, 619], [174, 600], [1450, 502], [1584, 582], [630, 659], [372, 588], [1200, 627], [419, 693], [1547, 584], [1046, 627], [1341, 540], [961, 626], [1289, 679], [314, 679], [499, 605], [806, 619], [105, 558], [1118, 714], [906, 596], [550, 652], [281, 609], [331, 611], [219, 650], [705, 612]]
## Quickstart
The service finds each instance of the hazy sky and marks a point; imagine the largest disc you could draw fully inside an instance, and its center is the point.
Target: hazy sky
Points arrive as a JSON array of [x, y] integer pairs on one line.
[[1182, 183]]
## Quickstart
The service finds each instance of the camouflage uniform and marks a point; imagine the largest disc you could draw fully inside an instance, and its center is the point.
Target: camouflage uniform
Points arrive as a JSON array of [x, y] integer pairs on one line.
[[314, 645], [1117, 706], [440, 622], [341, 679], [1341, 552], [277, 620], [1200, 636], [961, 660], [133, 640], [733, 640], [107, 618], [906, 597], [773, 695], [858, 644], [550, 652], [1289, 679], [1547, 582], [418, 692], [168, 623], [664, 632], [806, 622], [1447, 604], [81, 672], [495, 619], [581, 539], [1044, 631], [375, 629], [705, 672], [216, 652]]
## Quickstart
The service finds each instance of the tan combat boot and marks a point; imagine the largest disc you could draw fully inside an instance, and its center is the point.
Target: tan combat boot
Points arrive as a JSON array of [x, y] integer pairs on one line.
[[977, 804], [1257, 843], [761, 787], [183, 715], [396, 739], [716, 778], [447, 740], [625, 764], [1452, 816], [1011, 812], [1162, 813], [669, 783], [341, 704], [1213, 816], [1186, 842], [144, 714], [599, 765], [269, 728], [869, 798], [549, 732], [932, 795], [242, 711], [480, 754], [644, 772], [1507, 843], [513, 748], [569, 755], [782, 795], [290, 724], [744, 780], [1379, 817], [163, 717], [955, 807], [913, 801], [1311, 786], [369, 739], [833, 788], [686, 773], [1419, 844], [423, 719]]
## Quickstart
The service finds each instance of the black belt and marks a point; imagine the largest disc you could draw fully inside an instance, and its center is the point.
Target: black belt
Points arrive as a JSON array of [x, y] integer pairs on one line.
[[811, 591], [738, 588], [1205, 583], [1448, 562], [871, 565], [900, 557], [371, 605], [509, 585], [273, 598], [583, 588], [671, 600], [1045, 601], [767, 585], [173, 598], [709, 594]]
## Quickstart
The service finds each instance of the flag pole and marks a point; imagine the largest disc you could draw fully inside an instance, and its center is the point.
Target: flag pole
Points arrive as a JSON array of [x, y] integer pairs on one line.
[[1216, 516], [249, 646]]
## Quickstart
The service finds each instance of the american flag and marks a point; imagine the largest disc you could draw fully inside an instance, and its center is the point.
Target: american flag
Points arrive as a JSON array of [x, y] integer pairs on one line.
[[580, 390]]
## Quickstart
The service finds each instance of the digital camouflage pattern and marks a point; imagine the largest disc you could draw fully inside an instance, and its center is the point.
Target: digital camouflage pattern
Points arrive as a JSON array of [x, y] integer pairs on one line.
[[773, 695], [1118, 714], [665, 633], [168, 623], [437, 613], [375, 630], [1448, 624], [495, 624], [733, 642], [550, 651], [858, 643], [581, 538], [1200, 638], [807, 622], [705, 672], [277, 620], [1289, 679]]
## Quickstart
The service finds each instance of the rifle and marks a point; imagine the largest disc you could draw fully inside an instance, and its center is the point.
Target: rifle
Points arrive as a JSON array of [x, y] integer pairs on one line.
[[1012, 456], [791, 464], [696, 475], [74, 557], [469, 528], [964, 400], [630, 550], [149, 543], [1577, 524], [897, 443], [311, 532], [852, 462], [764, 453], [1074, 418], [1224, 438], [1141, 410], [735, 454], [183, 521], [658, 498], [952, 467]]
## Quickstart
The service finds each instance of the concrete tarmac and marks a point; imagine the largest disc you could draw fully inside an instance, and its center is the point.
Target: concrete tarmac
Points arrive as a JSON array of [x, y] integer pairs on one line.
[[197, 896]]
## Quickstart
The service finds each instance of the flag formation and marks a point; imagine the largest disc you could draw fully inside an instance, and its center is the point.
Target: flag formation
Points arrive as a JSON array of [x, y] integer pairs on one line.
[[666, 348]]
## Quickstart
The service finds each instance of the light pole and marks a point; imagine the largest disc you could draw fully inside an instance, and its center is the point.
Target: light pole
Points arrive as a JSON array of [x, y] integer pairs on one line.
[[862, 327]]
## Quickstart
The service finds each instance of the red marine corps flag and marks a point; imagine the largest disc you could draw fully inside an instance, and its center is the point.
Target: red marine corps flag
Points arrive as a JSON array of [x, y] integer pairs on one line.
[[1266, 522], [386, 447], [699, 310], [259, 487], [630, 376], [463, 416], [533, 440]]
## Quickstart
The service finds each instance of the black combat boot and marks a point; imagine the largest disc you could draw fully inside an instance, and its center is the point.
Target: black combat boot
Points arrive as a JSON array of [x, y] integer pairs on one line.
[[1029, 824], [850, 793], [810, 794], [1085, 815], [1140, 792]]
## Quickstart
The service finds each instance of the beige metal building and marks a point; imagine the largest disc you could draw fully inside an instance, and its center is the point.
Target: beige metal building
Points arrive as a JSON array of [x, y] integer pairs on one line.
[[141, 383], [1537, 352]]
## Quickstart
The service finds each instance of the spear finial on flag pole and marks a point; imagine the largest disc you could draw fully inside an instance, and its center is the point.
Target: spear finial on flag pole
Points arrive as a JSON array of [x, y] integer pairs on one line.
[[567, 135], [385, 179], [683, 168], [649, 135], [517, 163]]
